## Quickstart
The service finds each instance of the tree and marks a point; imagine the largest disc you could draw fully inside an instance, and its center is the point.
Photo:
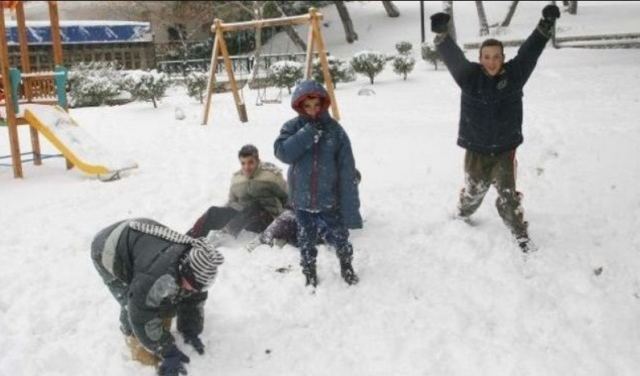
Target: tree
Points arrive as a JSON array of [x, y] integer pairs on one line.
[[482, 18], [340, 71], [286, 74], [510, 13], [147, 86], [391, 9], [447, 7], [369, 63], [403, 64], [183, 19], [196, 83], [349, 31], [291, 32]]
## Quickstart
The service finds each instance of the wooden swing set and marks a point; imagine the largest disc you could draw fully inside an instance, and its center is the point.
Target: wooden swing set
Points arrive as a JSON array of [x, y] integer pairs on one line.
[[315, 42], [20, 87]]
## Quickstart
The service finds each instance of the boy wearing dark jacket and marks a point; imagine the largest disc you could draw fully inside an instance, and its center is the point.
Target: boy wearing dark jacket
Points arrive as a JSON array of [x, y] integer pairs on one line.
[[490, 126], [155, 274], [322, 179]]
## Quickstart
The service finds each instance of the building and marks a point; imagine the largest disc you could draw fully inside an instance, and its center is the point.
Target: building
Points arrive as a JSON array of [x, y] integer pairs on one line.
[[128, 43]]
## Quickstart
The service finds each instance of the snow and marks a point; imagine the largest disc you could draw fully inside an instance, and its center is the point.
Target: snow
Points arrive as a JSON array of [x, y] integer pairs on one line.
[[436, 297]]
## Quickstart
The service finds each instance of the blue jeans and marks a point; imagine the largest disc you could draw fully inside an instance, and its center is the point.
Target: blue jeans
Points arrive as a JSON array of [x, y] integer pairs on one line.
[[329, 225]]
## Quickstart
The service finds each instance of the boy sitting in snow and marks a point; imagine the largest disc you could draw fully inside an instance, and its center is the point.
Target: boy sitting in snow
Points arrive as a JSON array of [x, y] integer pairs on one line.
[[490, 125], [257, 195], [322, 179]]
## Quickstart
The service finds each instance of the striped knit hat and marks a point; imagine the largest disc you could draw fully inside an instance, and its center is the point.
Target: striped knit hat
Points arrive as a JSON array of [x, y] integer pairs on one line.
[[200, 264]]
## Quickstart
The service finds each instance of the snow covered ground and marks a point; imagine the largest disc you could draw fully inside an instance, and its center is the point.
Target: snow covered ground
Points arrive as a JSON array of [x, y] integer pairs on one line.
[[436, 297]]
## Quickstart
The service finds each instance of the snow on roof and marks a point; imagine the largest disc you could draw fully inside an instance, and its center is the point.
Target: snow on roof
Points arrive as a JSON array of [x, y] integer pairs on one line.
[[84, 32]]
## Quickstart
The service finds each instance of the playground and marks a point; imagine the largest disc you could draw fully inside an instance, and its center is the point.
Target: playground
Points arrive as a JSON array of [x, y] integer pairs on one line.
[[436, 296]]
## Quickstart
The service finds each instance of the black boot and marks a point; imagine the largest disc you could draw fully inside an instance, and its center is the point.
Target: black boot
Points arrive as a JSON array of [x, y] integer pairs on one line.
[[309, 272], [346, 270]]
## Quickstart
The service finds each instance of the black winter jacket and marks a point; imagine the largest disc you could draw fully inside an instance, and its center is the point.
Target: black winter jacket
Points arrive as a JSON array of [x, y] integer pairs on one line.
[[491, 107], [149, 266]]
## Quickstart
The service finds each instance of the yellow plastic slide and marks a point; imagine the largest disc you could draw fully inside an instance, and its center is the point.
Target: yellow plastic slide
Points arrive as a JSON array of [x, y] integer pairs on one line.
[[74, 142]]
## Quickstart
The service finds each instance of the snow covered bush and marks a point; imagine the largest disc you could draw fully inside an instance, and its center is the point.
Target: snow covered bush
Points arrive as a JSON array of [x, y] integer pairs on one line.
[[147, 86], [430, 54], [403, 65], [285, 74], [93, 84], [369, 63], [339, 69], [404, 47], [196, 83]]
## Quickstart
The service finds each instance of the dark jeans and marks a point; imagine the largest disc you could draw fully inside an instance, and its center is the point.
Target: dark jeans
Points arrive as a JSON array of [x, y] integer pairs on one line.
[[231, 220], [312, 225]]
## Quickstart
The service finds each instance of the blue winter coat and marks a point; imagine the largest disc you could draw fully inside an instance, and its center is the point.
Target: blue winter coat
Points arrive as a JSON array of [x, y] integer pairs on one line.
[[322, 173], [491, 107]]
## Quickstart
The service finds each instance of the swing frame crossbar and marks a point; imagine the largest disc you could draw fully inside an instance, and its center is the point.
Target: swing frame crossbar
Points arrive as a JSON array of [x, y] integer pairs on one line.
[[315, 42]]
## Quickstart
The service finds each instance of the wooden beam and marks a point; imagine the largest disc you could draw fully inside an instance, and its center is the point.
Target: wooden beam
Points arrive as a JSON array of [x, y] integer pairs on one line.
[[55, 33], [14, 141], [308, 62], [269, 22], [324, 63], [213, 67], [26, 68], [57, 45], [242, 110]]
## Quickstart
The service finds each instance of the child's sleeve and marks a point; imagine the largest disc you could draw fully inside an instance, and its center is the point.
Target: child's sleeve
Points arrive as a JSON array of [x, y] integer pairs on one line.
[[348, 186], [529, 52], [291, 144], [453, 57]]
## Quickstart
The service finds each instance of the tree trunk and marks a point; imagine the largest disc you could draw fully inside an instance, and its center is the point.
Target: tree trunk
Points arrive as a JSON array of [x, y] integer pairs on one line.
[[153, 99], [447, 7], [391, 8], [291, 32], [573, 7], [349, 31], [510, 13], [482, 19]]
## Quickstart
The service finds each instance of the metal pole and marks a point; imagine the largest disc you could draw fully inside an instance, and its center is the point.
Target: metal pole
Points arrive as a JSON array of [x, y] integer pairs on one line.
[[422, 20]]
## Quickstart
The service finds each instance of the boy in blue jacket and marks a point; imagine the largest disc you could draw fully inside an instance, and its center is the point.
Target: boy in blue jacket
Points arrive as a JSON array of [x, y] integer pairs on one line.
[[322, 179]]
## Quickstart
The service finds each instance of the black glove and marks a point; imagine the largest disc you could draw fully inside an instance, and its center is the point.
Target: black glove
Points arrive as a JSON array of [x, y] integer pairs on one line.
[[195, 342], [551, 13], [439, 22], [173, 362]]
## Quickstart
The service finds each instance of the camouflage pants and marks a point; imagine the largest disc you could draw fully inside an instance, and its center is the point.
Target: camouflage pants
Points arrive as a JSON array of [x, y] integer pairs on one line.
[[482, 171]]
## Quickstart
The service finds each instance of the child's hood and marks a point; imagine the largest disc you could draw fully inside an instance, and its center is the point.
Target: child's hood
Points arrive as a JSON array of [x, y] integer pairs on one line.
[[306, 89]]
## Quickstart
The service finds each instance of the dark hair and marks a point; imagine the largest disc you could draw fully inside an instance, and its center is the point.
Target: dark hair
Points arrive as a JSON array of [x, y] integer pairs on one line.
[[491, 42], [248, 151]]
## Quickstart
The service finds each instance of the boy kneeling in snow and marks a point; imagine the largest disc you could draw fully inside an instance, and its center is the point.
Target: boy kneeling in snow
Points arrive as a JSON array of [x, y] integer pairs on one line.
[[322, 179], [491, 117], [155, 274]]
